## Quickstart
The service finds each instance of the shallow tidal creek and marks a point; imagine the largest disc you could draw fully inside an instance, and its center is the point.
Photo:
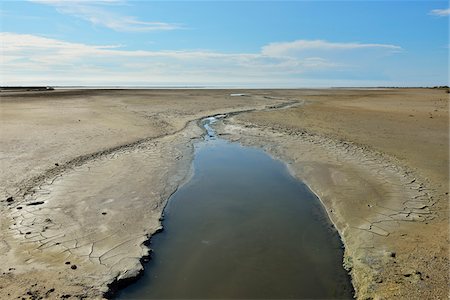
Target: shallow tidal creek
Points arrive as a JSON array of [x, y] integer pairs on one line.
[[242, 227]]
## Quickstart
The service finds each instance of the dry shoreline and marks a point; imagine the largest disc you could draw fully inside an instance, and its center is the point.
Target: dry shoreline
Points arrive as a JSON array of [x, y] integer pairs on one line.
[[126, 151], [77, 227], [391, 213]]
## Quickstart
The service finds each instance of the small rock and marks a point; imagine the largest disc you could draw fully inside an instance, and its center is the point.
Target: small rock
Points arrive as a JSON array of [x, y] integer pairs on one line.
[[19, 207], [35, 203], [56, 164], [73, 267], [49, 292], [10, 199], [103, 213], [67, 262]]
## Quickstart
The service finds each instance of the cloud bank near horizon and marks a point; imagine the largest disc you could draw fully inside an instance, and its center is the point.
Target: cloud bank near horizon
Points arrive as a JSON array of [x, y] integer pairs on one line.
[[32, 59]]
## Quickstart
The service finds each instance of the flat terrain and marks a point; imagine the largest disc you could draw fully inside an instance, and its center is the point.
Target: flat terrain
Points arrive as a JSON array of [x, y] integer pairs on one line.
[[85, 176], [86, 173], [378, 159]]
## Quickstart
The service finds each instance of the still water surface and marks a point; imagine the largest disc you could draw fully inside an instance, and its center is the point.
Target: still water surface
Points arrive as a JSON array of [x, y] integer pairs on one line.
[[244, 228]]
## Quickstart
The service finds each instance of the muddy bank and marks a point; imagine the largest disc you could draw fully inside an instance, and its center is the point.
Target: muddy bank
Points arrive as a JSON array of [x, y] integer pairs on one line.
[[391, 212], [85, 175], [242, 228], [79, 201]]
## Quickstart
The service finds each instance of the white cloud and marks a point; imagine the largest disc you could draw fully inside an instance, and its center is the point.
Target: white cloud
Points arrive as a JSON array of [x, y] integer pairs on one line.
[[29, 59], [295, 47], [95, 13], [440, 12]]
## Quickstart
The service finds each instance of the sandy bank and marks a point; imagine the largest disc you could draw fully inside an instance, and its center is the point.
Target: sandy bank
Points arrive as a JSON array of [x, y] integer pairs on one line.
[[89, 173], [85, 175], [379, 162]]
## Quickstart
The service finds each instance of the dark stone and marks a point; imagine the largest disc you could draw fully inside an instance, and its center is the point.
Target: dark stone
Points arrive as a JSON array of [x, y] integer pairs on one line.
[[36, 203], [67, 262], [10, 199], [56, 164], [73, 267], [103, 213], [19, 207], [49, 292]]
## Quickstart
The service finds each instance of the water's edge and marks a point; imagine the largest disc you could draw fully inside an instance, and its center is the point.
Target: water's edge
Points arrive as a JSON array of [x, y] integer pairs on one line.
[[329, 219], [119, 284]]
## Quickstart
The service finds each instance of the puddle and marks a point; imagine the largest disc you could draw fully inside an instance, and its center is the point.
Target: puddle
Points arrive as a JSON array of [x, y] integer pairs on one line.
[[242, 227]]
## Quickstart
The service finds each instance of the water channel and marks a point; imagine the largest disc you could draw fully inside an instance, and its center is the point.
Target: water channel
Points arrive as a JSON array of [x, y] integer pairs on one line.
[[242, 227]]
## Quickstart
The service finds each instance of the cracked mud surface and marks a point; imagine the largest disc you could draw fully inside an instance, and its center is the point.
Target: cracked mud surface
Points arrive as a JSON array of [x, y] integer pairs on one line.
[[85, 175], [391, 212], [74, 221]]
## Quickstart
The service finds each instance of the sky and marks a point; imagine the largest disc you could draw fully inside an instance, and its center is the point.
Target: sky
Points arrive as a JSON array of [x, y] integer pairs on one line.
[[224, 43]]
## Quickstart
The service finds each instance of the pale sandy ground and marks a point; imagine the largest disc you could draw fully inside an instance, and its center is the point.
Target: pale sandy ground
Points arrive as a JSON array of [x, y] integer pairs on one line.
[[119, 156], [377, 159], [379, 162]]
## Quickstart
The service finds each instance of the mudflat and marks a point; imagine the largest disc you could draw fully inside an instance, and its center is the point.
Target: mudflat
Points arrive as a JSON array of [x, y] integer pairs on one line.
[[378, 160], [86, 174]]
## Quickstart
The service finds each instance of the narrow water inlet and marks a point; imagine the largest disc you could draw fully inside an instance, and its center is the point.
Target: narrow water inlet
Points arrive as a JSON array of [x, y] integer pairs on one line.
[[242, 227]]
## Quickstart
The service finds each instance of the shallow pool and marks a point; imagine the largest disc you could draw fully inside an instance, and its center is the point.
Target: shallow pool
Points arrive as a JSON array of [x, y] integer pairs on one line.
[[244, 228]]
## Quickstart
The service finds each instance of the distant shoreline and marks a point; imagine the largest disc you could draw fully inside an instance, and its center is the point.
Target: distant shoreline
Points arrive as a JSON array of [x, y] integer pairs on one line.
[[213, 87]]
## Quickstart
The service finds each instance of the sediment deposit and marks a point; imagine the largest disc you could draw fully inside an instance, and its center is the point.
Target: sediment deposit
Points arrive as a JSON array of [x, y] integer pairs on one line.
[[86, 174]]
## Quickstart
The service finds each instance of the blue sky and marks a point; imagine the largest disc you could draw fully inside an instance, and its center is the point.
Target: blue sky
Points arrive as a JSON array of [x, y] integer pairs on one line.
[[224, 43]]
